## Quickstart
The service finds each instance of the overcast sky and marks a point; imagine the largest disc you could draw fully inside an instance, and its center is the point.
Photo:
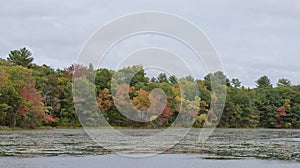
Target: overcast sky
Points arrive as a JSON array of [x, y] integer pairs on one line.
[[253, 38]]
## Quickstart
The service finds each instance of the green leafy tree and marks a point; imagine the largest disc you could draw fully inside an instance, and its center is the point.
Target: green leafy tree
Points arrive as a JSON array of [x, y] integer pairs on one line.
[[32, 95], [131, 75], [65, 111], [14, 77], [86, 103], [4, 62], [103, 78], [240, 109], [190, 78], [218, 78], [21, 103]]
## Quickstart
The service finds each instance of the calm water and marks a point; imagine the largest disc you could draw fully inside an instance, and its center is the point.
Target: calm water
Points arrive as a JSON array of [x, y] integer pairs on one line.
[[224, 148], [164, 161]]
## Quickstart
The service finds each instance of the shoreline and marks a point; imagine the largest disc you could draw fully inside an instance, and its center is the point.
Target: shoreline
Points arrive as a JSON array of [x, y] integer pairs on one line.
[[4, 128]]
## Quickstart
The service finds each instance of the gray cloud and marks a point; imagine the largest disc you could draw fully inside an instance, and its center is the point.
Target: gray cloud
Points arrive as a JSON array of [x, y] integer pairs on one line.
[[253, 38]]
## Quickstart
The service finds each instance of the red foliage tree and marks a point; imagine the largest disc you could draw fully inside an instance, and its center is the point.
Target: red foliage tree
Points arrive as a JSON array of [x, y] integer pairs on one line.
[[167, 113], [32, 108], [79, 70], [280, 116]]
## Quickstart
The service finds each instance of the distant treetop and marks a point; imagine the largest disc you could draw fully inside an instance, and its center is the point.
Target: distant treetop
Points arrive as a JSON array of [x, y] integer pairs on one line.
[[20, 57]]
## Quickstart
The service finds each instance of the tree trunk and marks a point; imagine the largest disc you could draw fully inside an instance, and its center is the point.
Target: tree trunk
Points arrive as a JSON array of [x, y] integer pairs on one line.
[[13, 121]]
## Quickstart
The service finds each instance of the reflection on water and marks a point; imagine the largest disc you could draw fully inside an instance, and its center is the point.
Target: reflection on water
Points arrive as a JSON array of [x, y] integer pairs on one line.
[[286, 139]]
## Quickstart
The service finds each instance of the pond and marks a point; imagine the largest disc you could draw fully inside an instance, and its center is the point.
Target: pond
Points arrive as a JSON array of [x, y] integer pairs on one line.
[[73, 147], [162, 160]]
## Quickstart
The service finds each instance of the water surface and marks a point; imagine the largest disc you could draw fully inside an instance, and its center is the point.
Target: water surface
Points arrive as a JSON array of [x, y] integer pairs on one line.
[[278, 144], [163, 160]]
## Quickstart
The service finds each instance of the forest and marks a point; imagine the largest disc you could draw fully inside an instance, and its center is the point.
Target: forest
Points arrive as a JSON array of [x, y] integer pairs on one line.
[[34, 96]]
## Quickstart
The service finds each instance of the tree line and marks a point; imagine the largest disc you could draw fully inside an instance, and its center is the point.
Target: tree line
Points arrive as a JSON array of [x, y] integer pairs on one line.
[[34, 95]]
